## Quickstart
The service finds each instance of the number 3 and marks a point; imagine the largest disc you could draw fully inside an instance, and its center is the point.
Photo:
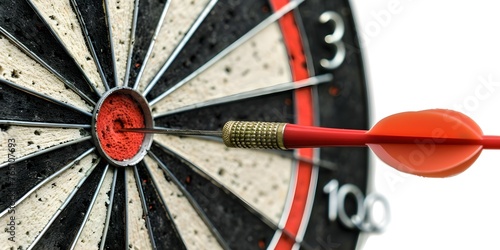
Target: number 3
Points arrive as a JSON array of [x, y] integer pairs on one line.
[[334, 39]]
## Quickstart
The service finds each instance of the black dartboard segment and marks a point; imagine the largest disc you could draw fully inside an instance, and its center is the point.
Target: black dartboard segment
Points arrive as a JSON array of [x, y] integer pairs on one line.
[[198, 64], [93, 18], [277, 107], [63, 227], [31, 172], [32, 109], [149, 16], [19, 21], [239, 226], [163, 231], [227, 22], [116, 237]]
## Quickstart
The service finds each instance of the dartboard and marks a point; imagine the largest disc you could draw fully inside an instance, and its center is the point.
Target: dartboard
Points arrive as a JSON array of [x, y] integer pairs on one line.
[[75, 72]]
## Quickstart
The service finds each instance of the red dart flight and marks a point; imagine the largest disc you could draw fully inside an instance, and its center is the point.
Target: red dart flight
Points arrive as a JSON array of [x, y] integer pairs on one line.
[[430, 143]]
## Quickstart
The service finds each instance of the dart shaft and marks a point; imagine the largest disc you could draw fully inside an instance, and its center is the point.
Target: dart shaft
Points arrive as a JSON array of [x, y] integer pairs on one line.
[[491, 142], [272, 135], [288, 136]]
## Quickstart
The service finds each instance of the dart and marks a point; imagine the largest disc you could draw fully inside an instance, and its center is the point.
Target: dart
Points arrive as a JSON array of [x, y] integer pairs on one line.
[[429, 143]]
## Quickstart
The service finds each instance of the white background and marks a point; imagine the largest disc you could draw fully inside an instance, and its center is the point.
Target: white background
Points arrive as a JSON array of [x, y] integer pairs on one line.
[[423, 54]]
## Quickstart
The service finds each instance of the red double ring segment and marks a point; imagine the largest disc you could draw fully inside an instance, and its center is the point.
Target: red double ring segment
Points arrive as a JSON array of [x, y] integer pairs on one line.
[[304, 116]]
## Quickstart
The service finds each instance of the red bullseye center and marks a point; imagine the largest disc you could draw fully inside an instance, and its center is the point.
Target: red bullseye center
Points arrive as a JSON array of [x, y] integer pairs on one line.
[[119, 111]]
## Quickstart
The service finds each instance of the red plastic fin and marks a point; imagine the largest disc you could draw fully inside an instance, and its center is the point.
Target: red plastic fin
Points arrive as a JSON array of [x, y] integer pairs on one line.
[[428, 157], [429, 160], [436, 123]]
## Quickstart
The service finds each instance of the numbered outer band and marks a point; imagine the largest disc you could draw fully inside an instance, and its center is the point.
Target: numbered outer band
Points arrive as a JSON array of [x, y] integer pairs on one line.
[[263, 135]]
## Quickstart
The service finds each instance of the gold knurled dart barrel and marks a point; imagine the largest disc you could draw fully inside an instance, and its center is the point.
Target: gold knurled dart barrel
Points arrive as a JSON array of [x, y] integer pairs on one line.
[[264, 135]]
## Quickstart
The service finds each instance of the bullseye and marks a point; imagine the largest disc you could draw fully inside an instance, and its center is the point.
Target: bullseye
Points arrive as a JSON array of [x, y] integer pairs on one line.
[[121, 108]]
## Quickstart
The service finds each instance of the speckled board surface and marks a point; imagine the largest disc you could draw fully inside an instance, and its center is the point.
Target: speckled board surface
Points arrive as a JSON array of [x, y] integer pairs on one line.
[[59, 57]]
